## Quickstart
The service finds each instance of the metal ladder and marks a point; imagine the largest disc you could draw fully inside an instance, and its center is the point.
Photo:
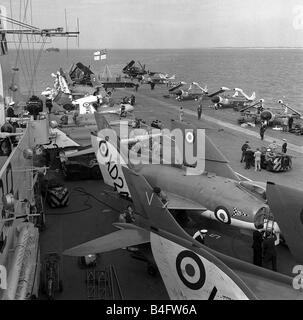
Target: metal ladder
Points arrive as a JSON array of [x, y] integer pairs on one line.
[[103, 284]]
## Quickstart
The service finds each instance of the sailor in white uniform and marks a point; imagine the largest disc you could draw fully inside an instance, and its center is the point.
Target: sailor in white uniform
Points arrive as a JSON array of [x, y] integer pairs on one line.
[[200, 235]]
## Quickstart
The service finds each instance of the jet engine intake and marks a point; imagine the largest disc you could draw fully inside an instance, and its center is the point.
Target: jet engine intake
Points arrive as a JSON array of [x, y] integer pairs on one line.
[[267, 115]]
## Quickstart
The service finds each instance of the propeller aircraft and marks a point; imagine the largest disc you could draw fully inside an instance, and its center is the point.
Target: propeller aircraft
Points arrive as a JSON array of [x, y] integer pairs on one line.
[[217, 193], [189, 269]]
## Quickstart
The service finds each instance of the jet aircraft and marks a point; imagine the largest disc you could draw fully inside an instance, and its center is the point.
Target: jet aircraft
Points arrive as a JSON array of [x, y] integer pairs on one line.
[[238, 100], [194, 92], [158, 78], [270, 114], [134, 72], [189, 269], [217, 193]]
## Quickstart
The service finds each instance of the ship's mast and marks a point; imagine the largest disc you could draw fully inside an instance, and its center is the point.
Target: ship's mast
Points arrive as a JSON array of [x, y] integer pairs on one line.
[[22, 31]]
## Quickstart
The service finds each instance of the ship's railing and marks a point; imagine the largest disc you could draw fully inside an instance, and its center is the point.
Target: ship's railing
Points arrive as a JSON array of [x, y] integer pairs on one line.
[[17, 182]]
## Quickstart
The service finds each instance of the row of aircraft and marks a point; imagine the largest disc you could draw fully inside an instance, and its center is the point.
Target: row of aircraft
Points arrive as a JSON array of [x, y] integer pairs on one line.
[[217, 194], [223, 98], [80, 90], [233, 98]]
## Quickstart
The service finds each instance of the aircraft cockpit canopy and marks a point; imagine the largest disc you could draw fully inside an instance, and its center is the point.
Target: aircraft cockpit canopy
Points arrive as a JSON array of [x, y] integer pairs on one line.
[[253, 188]]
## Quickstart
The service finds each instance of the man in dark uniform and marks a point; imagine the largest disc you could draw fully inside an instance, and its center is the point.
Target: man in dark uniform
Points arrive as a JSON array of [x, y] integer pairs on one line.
[[244, 148], [257, 247], [199, 109], [290, 123], [269, 251], [262, 130], [284, 146], [49, 104], [161, 195], [249, 158]]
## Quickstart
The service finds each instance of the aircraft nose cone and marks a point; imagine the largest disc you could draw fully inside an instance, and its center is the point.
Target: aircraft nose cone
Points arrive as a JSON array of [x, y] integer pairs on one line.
[[266, 115], [215, 99]]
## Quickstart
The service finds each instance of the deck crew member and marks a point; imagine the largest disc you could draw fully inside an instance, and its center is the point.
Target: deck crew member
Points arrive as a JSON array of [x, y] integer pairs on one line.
[[181, 114], [49, 104], [199, 109], [200, 235], [132, 100], [290, 123], [127, 216], [10, 113], [160, 194], [273, 146], [257, 156], [284, 146], [249, 157], [285, 124], [262, 130], [122, 112], [257, 247], [269, 251], [244, 148]]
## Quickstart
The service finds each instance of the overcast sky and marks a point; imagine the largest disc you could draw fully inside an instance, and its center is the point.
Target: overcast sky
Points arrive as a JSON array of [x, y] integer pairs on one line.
[[174, 23]]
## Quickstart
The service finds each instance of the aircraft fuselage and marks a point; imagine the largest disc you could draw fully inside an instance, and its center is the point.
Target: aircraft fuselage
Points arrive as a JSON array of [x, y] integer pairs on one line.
[[225, 200]]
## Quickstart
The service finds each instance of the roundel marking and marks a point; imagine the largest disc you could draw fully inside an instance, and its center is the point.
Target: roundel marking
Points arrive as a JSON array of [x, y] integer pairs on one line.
[[190, 269], [222, 214], [189, 137], [103, 148], [86, 104]]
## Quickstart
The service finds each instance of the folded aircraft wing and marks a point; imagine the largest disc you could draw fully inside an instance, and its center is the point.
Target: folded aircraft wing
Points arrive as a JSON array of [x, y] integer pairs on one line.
[[176, 202], [223, 89], [120, 239]]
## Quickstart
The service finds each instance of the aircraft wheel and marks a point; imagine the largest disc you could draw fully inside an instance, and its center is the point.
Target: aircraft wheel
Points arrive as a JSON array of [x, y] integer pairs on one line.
[[152, 270]]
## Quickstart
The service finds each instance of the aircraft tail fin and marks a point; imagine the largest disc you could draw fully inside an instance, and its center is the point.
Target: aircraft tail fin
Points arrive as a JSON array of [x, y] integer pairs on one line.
[[286, 204], [111, 154], [215, 161]]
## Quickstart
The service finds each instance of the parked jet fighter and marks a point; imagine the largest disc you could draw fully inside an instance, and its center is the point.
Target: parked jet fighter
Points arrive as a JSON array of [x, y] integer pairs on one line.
[[216, 194], [135, 72], [270, 114], [158, 78], [238, 100], [194, 92], [189, 269], [86, 105]]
